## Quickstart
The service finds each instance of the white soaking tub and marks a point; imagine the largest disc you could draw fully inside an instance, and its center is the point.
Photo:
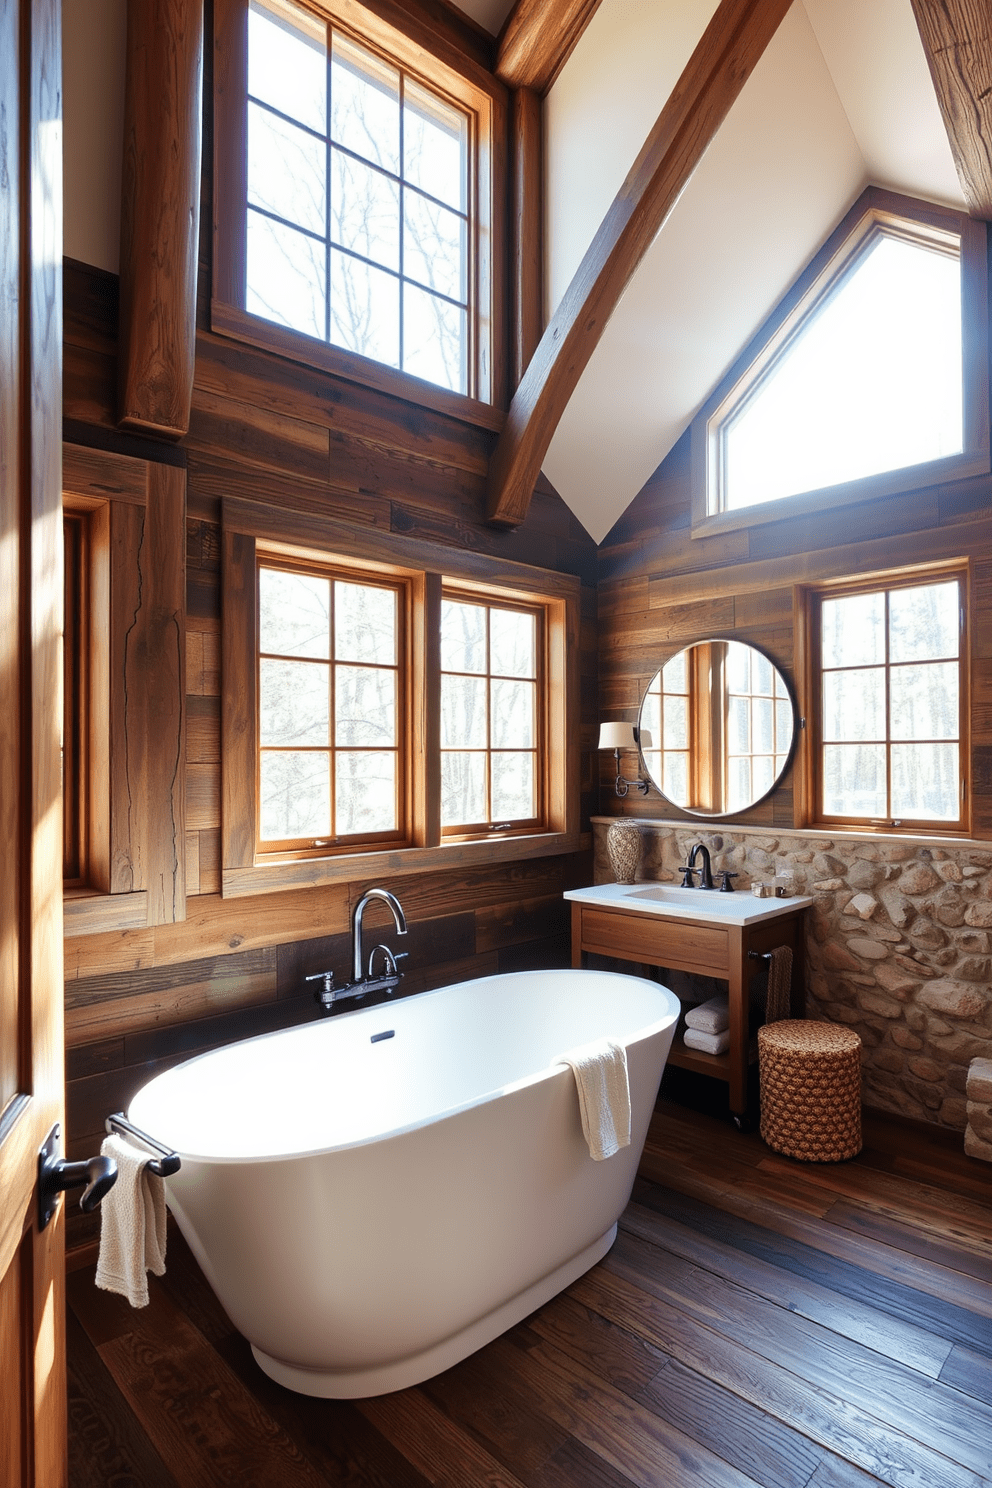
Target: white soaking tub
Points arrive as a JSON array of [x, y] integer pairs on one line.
[[375, 1196]]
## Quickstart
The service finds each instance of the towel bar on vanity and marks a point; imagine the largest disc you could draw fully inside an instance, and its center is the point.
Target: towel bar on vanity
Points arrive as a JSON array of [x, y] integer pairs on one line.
[[760, 955], [164, 1166]]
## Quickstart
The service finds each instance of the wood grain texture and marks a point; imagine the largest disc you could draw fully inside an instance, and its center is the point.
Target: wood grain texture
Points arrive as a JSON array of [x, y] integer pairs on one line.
[[527, 217], [688, 1357], [160, 214], [537, 39], [957, 40], [730, 48]]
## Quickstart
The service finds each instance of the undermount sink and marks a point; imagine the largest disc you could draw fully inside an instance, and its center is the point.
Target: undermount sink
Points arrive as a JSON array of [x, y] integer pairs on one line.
[[668, 900]]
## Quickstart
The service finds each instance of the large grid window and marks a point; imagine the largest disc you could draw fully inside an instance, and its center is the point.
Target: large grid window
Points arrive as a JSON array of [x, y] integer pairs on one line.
[[666, 728], [490, 725], [358, 189], [891, 703], [330, 710]]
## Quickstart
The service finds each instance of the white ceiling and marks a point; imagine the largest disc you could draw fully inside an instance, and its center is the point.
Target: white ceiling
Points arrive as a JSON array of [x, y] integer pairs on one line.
[[841, 98]]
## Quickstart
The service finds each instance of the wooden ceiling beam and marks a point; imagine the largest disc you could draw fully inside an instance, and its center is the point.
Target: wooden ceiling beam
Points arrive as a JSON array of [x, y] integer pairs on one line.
[[957, 40], [160, 214], [538, 38], [725, 57]]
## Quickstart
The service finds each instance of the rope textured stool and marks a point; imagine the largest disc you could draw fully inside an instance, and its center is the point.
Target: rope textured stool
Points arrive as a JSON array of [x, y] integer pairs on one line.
[[810, 1089]]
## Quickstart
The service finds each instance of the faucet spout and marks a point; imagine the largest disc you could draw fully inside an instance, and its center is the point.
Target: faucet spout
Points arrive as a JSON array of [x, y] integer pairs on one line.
[[399, 919], [706, 872]]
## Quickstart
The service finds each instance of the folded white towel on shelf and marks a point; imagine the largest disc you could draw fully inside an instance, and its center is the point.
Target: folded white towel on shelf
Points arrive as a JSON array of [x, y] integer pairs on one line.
[[707, 1043], [709, 1017], [600, 1070], [132, 1225]]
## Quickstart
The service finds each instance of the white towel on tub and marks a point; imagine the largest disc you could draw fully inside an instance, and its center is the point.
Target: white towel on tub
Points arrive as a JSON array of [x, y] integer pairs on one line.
[[600, 1070], [132, 1225]]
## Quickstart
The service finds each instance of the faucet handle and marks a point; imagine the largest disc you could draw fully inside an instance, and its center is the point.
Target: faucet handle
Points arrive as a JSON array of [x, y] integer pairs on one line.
[[726, 887], [687, 873], [325, 995]]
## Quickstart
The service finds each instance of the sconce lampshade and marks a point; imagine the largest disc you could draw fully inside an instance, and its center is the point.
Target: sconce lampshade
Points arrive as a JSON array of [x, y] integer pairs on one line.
[[616, 736]]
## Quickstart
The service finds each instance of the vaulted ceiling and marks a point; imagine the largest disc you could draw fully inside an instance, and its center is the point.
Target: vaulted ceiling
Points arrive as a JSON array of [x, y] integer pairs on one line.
[[842, 97]]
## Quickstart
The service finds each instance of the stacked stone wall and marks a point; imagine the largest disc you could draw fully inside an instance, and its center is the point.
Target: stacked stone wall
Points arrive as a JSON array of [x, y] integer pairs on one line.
[[898, 947]]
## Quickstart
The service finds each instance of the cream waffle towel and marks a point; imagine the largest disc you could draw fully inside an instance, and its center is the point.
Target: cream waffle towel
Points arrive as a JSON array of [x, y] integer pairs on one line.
[[132, 1225], [709, 1017], [600, 1070], [707, 1043]]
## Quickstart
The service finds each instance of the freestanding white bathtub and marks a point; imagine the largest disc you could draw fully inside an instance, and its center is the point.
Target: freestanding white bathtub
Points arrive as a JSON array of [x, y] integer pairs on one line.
[[376, 1196]]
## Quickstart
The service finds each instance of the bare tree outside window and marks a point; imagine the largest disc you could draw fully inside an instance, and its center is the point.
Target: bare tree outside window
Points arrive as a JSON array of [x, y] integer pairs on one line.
[[329, 707], [357, 213], [891, 703], [489, 692]]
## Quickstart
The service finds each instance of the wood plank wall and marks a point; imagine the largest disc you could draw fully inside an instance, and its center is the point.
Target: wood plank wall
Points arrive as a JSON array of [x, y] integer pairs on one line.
[[660, 589], [143, 997]]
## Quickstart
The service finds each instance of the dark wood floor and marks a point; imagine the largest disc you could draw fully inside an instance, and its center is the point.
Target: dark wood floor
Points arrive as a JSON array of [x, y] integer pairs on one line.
[[758, 1321]]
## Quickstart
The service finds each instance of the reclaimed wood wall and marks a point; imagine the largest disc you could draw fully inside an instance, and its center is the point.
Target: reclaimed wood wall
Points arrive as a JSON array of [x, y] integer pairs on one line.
[[143, 995]]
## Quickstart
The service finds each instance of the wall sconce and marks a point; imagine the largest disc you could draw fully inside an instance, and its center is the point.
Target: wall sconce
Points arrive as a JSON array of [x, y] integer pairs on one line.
[[617, 736]]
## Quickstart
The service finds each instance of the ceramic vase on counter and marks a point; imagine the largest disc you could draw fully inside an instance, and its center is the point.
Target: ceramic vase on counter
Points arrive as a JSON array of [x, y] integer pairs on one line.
[[623, 843]]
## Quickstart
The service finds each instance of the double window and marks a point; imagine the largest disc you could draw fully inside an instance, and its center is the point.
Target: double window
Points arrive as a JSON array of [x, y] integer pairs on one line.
[[407, 715], [354, 196]]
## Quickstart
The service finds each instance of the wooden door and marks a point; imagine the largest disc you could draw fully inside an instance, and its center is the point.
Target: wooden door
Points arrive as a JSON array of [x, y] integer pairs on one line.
[[32, 1362]]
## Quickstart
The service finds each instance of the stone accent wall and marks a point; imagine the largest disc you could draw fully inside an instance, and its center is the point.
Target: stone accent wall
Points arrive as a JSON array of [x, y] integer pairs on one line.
[[978, 1133], [898, 946]]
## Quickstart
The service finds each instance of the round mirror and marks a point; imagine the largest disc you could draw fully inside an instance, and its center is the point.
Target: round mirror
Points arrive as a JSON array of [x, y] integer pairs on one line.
[[717, 727]]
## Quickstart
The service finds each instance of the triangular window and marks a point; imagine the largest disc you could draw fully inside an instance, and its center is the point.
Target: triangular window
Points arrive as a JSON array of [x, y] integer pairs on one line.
[[858, 385]]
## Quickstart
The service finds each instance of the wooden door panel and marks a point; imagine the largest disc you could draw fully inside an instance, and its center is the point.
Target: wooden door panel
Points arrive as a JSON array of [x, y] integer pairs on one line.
[[32, 1326]]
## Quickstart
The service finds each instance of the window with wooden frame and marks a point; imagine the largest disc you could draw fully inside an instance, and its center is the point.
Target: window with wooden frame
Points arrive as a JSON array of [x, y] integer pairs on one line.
[[868, 379], [332, 731], [354, 191], [383, 718], [889, 702], [492, 692]]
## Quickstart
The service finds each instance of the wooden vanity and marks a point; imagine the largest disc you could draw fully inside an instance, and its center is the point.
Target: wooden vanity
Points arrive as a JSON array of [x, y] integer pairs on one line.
[[701, 931]]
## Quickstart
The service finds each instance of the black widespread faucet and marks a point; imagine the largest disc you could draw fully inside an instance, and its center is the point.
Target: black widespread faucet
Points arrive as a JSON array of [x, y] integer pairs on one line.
[[706, 872]]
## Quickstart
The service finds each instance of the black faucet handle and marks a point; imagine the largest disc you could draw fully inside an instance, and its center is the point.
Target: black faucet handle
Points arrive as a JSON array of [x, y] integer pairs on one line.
[[726, 887], [687, 873]]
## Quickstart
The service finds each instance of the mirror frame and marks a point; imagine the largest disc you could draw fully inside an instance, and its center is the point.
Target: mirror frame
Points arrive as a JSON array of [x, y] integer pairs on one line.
[[798, 723]]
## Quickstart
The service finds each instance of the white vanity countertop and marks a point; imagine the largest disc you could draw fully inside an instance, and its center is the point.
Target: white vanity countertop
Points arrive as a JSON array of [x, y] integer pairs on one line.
[[670, 902]]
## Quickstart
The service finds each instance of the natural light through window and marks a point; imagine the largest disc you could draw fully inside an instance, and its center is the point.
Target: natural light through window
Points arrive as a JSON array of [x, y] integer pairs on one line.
[[489, 715], [890, 704], [357, 211], [330, 708], [872, 383]]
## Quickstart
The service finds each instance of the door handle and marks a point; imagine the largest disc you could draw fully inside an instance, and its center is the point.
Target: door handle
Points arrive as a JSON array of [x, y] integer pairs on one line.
[[96, 1176]]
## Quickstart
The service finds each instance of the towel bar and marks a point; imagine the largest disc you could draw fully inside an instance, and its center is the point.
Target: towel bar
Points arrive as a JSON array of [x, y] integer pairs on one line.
[[760, 955], [164, 1166]]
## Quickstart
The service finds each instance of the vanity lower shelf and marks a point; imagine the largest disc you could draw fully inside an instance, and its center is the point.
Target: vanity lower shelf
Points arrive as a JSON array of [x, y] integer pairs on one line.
[[715, 941]]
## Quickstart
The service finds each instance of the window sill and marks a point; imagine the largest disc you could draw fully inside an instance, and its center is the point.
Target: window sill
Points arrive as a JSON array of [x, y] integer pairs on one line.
[[88, 912], [238, 325], [910, 479], [274, 878]]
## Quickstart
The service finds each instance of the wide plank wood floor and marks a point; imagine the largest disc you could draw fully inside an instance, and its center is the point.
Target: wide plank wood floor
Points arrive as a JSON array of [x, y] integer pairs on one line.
[[758, 1322]]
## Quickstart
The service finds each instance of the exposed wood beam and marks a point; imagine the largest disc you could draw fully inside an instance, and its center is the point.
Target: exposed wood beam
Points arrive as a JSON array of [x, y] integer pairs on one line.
[[528, 227], [160, 213], [957, 39], [728, 52], [538, 38]]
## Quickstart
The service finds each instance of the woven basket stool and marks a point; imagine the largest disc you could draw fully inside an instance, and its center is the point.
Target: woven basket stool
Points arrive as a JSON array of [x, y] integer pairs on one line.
[[810, 1089]]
